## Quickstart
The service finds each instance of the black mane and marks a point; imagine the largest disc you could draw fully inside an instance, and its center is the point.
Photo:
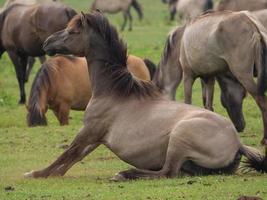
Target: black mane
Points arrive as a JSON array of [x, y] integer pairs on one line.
[[118, 76]]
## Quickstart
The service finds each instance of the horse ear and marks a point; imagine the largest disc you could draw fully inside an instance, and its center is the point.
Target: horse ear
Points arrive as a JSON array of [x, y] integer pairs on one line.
[[83, 19]]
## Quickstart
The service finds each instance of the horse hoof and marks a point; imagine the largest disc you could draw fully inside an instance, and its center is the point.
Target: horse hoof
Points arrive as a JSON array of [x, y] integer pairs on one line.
[[264, 142], [118, 177], [29, 174]]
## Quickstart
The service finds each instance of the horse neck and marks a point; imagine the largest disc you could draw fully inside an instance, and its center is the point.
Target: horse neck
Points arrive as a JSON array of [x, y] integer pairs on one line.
[[98, 77]]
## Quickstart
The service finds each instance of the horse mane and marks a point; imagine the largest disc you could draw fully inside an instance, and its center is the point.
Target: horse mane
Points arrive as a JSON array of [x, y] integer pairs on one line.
[[122, 82]]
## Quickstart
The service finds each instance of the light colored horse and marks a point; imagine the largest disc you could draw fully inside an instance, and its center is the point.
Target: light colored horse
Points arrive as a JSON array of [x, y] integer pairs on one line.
[[190, 9], [239, 5], [115, 6], [26, 2], [62, 83], [237, 43], [161, 138]]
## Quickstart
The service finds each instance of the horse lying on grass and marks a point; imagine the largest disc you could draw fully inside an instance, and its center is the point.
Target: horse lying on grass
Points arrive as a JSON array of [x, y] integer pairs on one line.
[[161, 138], [62, 83]]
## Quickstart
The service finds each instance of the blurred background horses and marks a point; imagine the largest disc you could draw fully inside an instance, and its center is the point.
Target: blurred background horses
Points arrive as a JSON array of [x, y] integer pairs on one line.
[[32, 25], [115, 6]]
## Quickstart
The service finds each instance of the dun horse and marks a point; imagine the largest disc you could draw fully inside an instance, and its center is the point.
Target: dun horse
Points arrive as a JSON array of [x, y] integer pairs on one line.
[[161, 138], [190, 9], [31, 60], [24, 29], [169, 75], [236, 43], [239, 5], [63, 83], [115, 6]]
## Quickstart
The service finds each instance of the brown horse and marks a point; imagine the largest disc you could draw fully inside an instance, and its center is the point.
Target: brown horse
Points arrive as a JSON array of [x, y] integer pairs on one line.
[[115, 6], [236, 43], [169, 75], [238, 5], [26, 2], [63, 83], [161, 138], [24, 29], [31, 60]]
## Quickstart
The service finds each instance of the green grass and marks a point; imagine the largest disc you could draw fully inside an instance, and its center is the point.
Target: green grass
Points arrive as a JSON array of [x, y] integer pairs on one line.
[[23, 149]]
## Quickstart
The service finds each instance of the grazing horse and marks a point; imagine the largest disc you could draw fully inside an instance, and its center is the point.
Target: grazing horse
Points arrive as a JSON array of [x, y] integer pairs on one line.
[[62, 83], [161, 138], [24, 28], [237, 43], [115, 6], [239, 5], [31, 60], [190, 9], [169, 75]]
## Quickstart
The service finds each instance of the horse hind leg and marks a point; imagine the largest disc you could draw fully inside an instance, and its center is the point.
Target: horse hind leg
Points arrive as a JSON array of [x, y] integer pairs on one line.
[[20, 63], [130, 20], [208, 84], [175, 158], [125, 19]]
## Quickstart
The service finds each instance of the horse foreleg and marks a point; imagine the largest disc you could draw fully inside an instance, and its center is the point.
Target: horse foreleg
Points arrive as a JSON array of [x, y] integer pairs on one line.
[[130, 20], [81, 146], [125, 18], [209, 92], [62, 113], [31, 61], [42, 59], [188, 84], [20, 63]]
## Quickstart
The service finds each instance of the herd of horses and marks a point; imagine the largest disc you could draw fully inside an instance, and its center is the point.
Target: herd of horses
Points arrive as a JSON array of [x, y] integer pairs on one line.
[[131, 107]]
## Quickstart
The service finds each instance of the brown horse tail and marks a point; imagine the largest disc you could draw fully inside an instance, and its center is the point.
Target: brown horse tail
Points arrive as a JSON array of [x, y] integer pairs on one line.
[[138, 9], [151, 67], [255, 160], [37, 105]]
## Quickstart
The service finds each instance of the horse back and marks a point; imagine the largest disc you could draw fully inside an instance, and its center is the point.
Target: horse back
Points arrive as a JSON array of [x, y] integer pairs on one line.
[[25, 27]]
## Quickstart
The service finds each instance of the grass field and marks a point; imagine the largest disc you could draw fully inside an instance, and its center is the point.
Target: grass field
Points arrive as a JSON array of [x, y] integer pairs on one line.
[[23, 149]]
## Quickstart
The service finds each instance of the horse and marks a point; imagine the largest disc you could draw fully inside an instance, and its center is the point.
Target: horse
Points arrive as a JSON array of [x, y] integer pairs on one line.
[[169, 75], [159, 137], [62, 83], [190, 9], [31, 60], [115, 6], [24, 28], [240, 49], [239, 5], [172, 7]]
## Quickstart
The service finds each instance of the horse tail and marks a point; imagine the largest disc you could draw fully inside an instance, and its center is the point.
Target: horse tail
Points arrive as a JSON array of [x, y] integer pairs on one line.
[[138, 9], [37, 105], [260, 54], [255, 160], [151, 67], [261, 66]]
